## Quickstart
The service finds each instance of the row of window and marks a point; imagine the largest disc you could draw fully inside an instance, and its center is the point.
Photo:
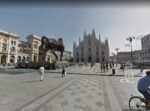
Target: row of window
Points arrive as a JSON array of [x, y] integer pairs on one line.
[[19, 59], [4, 47], [13, 42], [4, 40]]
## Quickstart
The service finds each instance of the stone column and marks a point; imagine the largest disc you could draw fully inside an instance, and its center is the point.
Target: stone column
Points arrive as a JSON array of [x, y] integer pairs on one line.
[[16, 57], [50, 59], [37, 56], [32, 57], [7, 59], [8, 51]]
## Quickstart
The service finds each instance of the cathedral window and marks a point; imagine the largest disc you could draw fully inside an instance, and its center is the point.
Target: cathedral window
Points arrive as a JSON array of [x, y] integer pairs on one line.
[[97, 59], [82, 48], [96, 47], [97, 53], [77, 59], [82, 53], [102, 52], [89, 59], [82, 60], [103, 59], [77, 54], [89, 42], [89, 49]]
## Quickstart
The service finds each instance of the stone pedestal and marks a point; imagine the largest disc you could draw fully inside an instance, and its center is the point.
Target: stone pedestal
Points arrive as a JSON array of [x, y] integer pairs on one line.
[[42, 55]]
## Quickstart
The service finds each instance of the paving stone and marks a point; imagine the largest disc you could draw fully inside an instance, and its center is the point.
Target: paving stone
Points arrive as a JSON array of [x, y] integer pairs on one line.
[[78, 99], [64, 103], [61, 96], [90, 96], [89, 92], [99, 104]]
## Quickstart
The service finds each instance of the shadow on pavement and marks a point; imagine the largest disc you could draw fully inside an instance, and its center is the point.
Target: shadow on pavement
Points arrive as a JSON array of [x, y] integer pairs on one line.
[[31, 81], [58, 76]]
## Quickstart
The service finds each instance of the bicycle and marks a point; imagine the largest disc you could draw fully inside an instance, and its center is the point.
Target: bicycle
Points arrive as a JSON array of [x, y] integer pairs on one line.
[[138, 103]]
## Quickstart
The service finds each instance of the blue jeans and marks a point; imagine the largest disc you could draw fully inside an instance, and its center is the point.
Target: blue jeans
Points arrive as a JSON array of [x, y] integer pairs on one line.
[[145, 94]]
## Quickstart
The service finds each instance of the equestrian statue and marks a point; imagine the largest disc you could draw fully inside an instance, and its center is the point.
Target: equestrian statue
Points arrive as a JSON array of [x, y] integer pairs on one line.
[[52, 45]]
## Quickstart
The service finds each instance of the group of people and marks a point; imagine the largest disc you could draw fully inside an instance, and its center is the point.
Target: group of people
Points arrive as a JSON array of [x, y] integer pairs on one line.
[[106, 66], [122, 66], [42, 70]]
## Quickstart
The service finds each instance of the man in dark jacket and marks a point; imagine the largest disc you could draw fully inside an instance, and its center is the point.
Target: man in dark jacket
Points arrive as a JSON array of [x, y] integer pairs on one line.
[[144, 87], [63, 71]]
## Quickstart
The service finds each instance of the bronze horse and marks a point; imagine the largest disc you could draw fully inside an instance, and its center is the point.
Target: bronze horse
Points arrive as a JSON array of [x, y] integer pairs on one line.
[[54, 45]]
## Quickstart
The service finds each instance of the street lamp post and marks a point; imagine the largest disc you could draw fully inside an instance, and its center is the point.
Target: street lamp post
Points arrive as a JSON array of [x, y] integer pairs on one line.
[[117, 49], [130, 39]]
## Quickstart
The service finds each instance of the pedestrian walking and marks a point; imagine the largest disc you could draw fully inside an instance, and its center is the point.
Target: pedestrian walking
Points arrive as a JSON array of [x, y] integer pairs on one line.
[[104, 67], [41, 70], [110, 65], [107, 66], [113, 70], [122, 67], [141, 68], [91, 65], [63, 71]]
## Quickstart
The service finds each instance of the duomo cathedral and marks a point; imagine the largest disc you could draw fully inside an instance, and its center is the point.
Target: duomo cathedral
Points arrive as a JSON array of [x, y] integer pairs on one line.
[[91, 49]]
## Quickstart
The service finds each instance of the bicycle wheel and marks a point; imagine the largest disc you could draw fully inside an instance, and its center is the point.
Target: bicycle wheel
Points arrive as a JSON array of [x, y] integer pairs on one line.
[[136, 103]]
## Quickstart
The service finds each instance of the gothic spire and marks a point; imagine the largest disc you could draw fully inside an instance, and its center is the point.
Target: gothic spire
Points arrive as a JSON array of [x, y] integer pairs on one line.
[[79, 40], [93, 32], [99, 37]]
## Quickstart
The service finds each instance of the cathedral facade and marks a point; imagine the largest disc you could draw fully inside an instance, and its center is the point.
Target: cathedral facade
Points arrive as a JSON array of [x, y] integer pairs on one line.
[[91, 50]]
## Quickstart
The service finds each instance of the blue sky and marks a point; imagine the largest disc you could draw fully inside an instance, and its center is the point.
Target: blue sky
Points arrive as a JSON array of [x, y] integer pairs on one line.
[[115, 22]]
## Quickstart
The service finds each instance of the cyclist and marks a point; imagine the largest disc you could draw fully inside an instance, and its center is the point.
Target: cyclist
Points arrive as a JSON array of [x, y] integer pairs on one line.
[[144, 87]]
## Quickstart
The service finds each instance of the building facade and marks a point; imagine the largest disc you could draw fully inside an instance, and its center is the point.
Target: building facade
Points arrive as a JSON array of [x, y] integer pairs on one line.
[[145, 42], [8, 47], [13, 50], [23, 52], [140, 56], [91, 49], [34, 42], [125, 57]]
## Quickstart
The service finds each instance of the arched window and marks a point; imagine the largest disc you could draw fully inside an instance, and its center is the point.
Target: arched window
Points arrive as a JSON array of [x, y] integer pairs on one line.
[[12, 59], [82, 59], [13, 49], [102, 52], [97, 59], [27, 58], [23, 59], [77, 59], [89, 49], [3, 59], [35, 57], [19, 59], [103, 59], [89, 42], [48, 59], [97, 53], [89, 59]]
